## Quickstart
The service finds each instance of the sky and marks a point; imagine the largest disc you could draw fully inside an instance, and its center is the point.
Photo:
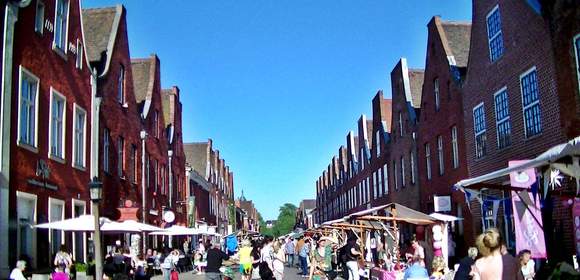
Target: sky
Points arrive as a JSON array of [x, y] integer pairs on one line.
[[278, 84]]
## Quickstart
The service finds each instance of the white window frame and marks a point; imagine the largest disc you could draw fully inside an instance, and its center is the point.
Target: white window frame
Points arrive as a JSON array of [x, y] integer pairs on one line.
[[400, 123], [440, 155], [55, 45], [428, 160], [378, 143], [380, 183], [53, 201], [82, 164], [76, 202], [396, 175], [537, 102], [29, 76], [436, 94], [480, 105], [62, 159], [386, 177], [412, 166], [106, 150], [500, 33], [121, 85], [368, 189], [80, 53], [33, 241], [39, 29], [576, 54], [498, 122], [455, 146], [362, 158], [403, 183], [121, 157]]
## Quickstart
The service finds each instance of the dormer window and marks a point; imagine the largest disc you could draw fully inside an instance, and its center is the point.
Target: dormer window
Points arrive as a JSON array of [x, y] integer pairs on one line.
[[61, 25], [436, 93], [494, 34]]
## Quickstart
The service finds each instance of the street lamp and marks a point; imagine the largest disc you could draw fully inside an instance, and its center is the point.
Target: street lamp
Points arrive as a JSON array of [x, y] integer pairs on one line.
[[96, 191]]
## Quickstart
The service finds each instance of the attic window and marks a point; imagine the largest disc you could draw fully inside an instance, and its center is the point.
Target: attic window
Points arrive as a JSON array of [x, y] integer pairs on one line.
[[121, 86]]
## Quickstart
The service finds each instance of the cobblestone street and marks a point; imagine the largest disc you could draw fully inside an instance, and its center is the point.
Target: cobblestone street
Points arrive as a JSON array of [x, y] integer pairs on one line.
[[290, 273]]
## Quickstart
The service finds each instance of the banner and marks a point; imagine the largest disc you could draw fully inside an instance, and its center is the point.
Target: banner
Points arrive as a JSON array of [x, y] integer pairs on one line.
[[442, 203], [526, 212]]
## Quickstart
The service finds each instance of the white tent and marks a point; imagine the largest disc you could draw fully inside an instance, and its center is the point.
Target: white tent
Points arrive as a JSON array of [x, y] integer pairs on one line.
[[129, 226], [175, 231], [80, 223], [445, 217]]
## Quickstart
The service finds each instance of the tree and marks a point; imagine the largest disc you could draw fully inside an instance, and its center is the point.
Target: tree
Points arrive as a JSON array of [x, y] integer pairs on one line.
[[284, 224]]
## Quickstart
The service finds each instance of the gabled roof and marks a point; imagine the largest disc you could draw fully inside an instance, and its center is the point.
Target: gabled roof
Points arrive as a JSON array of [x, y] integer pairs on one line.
[[387, 113], [370, 137], [197, 156], [100, 26], [143, 77], [416, 86], [456, 35]]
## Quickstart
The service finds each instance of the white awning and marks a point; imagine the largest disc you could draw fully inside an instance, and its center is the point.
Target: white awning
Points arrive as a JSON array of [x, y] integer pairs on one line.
[[550, 157]]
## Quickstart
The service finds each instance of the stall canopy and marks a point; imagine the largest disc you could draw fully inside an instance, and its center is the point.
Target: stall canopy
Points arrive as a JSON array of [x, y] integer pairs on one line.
[[395, 212], [565, 157], [86, 223]]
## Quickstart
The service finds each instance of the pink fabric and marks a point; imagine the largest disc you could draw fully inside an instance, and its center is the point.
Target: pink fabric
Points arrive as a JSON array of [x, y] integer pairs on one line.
[[59, 276], [528, 225]]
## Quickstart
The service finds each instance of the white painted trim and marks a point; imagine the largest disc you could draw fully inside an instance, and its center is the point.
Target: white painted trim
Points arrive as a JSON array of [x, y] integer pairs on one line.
[[51, 202], [497, 121], [34, 198], [455, 146], [576, 52], [80, 53], [77, 202], [77, 108], [440, 158], [532, 69], [428, 160], [54, 45], [496, 8], [54, 92], [34, 146], [112, 38]]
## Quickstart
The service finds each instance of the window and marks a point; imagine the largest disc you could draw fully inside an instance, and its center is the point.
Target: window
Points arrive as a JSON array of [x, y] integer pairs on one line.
[[121, 157], [402, 171], [362, 158], [106, 148], [440, 155], [79, 141], [380, 179], [57, 117], [577, 54], [368, 187], [436, 93], [502, 118], [479, 129], [121, 86], [156, 121], [134, 163], [531, 103], [375, 184], [79, 60], [428, 160], [61, 25], [386, 179], [412, 166], [28, 109], [494, 35], [155, 174], [455, 147], [401, 123], [56, 213], [395, 175], [162, 173], [39, 17], [378, 143]]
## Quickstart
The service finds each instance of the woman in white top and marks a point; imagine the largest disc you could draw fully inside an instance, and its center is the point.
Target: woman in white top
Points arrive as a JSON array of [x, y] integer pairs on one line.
[[16, 273]]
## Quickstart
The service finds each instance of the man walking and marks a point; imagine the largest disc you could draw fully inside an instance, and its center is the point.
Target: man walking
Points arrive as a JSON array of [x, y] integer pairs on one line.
[[214, 262], [290, 252]]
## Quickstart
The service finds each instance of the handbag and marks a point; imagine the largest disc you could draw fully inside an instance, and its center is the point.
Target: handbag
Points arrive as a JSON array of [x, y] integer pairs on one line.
[[256, 272], [174, 275], [265, 271]]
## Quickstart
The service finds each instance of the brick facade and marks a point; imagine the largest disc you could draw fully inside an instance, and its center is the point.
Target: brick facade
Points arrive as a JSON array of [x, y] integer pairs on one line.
[[36, 196]]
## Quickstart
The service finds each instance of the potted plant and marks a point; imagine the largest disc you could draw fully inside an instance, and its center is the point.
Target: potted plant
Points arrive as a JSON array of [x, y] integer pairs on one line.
[[81, 269]]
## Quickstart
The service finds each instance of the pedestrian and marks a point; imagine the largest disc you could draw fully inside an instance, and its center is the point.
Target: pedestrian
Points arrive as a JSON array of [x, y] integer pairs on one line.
[[185, 247], [63, 260], [290, 252], [17, 272], [246, 260], [140, 266], [167, 264], [267, 260], [352, 254], [323, 257], [214, 258], [527, 264], [256, 258], [303, 256], [465, 264], [418, 251], [374, 250], [494, 265], [278, 261]]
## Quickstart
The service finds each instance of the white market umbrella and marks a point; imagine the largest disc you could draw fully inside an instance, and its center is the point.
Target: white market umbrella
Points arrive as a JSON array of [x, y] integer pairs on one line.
[[130, 226], [176, 230], [80, 223], [445, 217]]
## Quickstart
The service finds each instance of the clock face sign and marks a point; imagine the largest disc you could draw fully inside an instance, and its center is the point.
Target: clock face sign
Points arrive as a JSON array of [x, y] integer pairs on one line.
[[169, 216]]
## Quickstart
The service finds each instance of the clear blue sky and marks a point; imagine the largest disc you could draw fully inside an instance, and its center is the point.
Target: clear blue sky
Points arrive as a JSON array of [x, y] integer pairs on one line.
[[278, 84]]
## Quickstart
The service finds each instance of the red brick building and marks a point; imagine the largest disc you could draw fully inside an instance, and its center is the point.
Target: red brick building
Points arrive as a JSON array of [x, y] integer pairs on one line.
[[406, 93], [512, 105], [119, 142], [49, 110], [147, 86], [172, 110], [441, 142], [380, 154]]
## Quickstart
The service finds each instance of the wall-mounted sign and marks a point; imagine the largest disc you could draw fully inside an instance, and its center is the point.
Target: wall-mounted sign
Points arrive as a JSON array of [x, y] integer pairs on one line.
[[442, 203], [169, 216]]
